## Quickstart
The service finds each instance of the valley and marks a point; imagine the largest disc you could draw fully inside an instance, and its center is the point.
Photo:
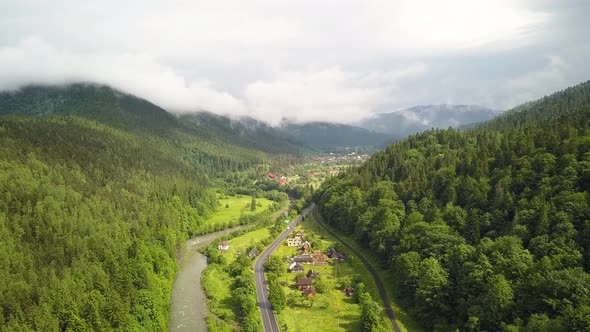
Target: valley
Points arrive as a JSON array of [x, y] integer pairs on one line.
[[295, 166], [458, 229]]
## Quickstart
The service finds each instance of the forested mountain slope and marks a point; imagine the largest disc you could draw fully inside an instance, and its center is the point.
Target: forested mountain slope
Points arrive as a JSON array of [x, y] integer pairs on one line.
[[207, 138], [98, 190], [487, 229], [330, 136]]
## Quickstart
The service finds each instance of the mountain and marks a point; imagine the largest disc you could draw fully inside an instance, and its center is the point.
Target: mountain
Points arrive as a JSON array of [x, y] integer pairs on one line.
[[211, 134], [99, 189], [329, 136], [419, 118], [484, 229], [94, 102]]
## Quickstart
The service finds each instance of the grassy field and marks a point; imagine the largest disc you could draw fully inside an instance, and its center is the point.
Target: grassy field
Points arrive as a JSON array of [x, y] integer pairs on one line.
[[236, 206], [331, 310], [404, 321], [240, 244], [217, 282]]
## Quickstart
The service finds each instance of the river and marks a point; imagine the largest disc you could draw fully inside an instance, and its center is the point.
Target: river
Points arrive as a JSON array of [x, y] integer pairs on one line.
[[188, 304]]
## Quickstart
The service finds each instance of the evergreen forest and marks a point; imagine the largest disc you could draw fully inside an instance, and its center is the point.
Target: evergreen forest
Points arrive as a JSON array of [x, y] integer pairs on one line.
[[486, 229], [99, 191]]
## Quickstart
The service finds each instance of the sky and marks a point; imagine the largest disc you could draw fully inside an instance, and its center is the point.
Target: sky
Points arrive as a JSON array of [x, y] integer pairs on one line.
[[302, 60]]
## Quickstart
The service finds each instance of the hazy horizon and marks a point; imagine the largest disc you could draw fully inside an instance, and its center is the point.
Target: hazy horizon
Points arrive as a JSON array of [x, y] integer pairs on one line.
[[301, 61]]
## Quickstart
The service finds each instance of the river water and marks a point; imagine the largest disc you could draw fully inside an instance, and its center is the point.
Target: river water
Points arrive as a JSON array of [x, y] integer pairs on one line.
[[188, 304]]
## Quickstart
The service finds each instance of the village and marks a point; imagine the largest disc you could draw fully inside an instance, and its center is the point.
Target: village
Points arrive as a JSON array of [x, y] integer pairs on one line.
[[302, 262]]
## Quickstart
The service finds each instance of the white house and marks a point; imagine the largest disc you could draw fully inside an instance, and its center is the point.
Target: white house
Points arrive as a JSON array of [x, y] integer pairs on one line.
[[223, 245]]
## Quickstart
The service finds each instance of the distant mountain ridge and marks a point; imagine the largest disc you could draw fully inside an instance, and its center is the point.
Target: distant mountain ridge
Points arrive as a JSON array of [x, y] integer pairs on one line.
[[120, 110], [326, 135], [419, 118]]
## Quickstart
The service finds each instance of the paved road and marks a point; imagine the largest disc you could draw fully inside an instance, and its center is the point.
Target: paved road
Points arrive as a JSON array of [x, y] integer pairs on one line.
[[369, 267], [269, 320]]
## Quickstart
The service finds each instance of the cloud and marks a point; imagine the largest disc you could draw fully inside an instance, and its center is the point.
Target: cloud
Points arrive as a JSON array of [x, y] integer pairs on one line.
[[303, 60], [35, 61], [330, 94]]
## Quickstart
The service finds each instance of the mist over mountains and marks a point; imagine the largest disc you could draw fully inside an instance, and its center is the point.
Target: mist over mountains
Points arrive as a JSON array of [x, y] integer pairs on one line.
[[105, 104], [419, 118]]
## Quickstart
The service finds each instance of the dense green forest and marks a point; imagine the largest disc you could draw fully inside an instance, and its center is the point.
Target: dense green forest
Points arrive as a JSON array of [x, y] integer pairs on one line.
[[98, 192], [486, 229]]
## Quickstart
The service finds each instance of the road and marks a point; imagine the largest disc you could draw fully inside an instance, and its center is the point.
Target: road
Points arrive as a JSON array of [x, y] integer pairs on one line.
[[269, 320], [369, 267]]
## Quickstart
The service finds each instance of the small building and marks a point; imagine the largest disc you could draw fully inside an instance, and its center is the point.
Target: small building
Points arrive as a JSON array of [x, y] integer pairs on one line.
[[312, 273], [296, 268], [337, 255], [348, 291], [303, 259], [303, 283], [253, 253], [309, 292], [271, 175], [294, 241], [305, 246], [223, 245], [299, 234], [320, 258]]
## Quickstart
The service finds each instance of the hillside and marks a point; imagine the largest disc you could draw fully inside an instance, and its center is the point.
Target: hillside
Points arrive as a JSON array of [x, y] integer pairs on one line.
[[206, 140], [485, 229], [99, 190], [420, 118], [330, 136]]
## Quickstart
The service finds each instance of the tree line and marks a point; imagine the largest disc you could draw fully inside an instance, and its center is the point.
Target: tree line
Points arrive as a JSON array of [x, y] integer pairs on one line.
[[486, 229]]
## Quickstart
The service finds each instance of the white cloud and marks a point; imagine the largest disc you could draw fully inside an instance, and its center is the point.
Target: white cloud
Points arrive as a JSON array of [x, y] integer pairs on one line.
[[305, 60], [330, 94], [35, 61]]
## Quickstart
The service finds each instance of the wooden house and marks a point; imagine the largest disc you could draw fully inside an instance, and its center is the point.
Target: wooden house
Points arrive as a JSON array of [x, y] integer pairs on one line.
[[303, 283], [296, 268]]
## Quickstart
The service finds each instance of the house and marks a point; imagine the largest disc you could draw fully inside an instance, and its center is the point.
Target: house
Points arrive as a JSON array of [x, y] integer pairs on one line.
[[294, 241], [223, 245], [320, 258], [312, 274], [330, 252], [305, 246], [296, 268], [253, 253], [309, 292], [348, 291], [283, 181], [303, 259], [339, 256], [303, 283], [271, 175], [336, 255]]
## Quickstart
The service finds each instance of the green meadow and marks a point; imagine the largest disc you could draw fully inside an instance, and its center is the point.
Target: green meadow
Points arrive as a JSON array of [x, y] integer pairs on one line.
[[330, 310], [230, 208]]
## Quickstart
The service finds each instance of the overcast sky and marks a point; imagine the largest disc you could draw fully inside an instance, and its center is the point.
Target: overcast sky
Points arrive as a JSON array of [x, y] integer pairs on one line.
[[301, 60]]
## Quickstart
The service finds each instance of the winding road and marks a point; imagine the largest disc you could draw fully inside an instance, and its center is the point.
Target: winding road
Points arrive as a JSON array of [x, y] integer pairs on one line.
[[269, 320]]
